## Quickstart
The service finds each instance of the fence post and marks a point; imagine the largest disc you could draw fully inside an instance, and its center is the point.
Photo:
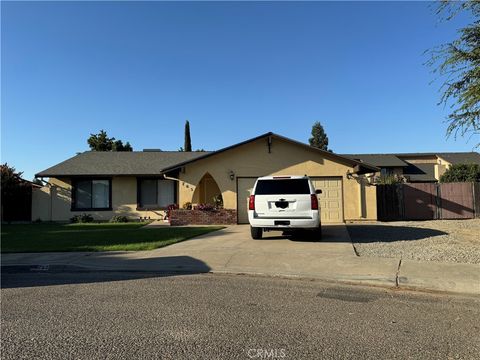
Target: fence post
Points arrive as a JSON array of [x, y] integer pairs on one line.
[[401, 201], [476, 199], [438, 202]]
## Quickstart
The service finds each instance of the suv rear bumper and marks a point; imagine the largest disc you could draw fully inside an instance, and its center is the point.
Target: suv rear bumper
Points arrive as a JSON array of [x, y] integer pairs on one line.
[[280, 223]]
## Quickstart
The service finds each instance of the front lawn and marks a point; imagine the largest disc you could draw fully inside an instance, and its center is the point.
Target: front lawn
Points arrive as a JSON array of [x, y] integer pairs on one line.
[[93, 237]]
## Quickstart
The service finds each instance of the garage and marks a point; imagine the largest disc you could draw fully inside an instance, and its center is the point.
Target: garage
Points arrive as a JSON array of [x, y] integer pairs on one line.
[[244, 188], [331, 198]]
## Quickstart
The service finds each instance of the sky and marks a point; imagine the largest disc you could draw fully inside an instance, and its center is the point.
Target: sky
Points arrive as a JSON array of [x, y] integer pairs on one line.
[[235, 70]]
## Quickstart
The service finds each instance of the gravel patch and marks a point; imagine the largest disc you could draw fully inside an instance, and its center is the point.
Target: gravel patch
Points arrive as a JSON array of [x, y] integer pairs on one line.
[[456, 241]]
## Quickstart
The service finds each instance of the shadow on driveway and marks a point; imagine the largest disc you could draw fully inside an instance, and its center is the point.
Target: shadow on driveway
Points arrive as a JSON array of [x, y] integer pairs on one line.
[[18, 276], [389, 233], [330, 233]]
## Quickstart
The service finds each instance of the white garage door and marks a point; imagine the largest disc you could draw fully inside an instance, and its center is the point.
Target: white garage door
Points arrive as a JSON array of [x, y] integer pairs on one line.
[[244, 187], [331, 199]]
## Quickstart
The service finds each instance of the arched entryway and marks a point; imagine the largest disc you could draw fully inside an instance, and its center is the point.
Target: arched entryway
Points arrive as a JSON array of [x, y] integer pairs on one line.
[[206, 190]]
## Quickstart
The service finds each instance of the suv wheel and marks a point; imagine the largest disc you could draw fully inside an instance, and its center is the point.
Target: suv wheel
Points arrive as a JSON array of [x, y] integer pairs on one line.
[[256, 232]]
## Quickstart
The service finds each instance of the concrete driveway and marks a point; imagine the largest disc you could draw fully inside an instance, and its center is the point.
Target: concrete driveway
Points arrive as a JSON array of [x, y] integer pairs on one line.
[[233, 250], [335, 242]]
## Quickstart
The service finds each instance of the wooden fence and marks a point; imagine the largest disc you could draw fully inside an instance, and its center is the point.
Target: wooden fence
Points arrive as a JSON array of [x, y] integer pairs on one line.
[[428, 201]]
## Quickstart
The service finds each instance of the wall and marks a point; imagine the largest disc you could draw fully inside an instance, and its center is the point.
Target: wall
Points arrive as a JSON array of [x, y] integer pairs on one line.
[[199, 217], [57, 207], [440, 170], [426, 159], [41, 204], [253, 159]]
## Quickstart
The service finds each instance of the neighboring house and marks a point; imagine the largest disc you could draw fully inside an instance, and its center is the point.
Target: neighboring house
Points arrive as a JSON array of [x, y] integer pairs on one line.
[[143, 184], [417, 167]]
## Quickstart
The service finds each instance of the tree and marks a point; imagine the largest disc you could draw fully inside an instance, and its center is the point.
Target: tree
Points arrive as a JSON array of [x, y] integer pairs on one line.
[[15, 191], [462, 173], [319, 138], [458, 62], [10, 178], [188, 141], [101, 142], [37, 181], [118, 146]]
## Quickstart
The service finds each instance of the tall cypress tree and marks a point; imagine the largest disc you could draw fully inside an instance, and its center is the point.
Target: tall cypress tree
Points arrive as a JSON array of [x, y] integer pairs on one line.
[[188, 141], [319, 138]]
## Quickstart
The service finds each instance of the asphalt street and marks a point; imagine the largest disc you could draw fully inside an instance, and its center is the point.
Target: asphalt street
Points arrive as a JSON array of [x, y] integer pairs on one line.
[[67, 314]]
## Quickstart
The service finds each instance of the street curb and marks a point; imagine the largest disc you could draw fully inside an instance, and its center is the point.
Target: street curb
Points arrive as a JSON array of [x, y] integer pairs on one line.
[[381, 284]]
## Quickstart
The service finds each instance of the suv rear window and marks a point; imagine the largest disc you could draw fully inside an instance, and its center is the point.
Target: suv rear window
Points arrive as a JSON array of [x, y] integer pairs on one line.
[[287, 186]]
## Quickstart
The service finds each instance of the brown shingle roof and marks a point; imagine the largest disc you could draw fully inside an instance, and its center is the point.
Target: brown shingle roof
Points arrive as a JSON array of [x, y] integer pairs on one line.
[[380, 160], [118, 163], [461, 157]]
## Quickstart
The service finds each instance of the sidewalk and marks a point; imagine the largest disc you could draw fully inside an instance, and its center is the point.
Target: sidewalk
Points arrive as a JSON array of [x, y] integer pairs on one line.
[[232, 251]]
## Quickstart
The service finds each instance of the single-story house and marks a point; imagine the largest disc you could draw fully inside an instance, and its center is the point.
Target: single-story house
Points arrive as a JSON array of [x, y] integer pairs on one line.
[[417, 167], [144, 183]]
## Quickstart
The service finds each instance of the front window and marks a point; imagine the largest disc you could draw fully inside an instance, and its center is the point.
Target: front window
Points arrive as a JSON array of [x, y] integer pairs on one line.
[[156, 193], [91, 194], [386, 171]]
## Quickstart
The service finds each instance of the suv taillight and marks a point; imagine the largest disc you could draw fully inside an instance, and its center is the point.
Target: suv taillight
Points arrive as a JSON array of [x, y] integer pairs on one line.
[[314, 201], [251, 202]]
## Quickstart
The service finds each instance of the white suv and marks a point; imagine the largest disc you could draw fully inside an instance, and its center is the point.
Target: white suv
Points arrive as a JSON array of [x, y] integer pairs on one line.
[[283, 203]]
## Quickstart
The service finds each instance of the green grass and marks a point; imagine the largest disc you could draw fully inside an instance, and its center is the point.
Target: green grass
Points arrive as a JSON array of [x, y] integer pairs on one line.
[[93, 237]]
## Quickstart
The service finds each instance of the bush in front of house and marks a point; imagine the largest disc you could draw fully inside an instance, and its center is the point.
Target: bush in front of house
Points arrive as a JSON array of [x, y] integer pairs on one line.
[[118, 219], [205, 207], [389, 180], [169, 209], [82, 218], [218, 201], [187, 206], [462, 173]]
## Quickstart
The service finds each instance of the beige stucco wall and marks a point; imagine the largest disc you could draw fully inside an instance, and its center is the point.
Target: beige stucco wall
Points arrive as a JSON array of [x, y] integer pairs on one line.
[[253, 159], [41, 203], [442, 166], [420, 159], [57, 206]]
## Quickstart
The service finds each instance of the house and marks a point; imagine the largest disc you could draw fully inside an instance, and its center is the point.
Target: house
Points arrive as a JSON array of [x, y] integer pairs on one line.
[[417, 167], [143, 184]]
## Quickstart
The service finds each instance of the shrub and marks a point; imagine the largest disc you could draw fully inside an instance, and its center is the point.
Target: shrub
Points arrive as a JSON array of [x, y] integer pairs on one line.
[[205, 207], [83, 218], [187, 206], [169, 209], [389, 179], [462, 173], [218, 201], [118, 219]]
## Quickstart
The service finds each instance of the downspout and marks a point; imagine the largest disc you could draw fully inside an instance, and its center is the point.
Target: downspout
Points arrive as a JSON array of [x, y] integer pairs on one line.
[[178, 181]]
